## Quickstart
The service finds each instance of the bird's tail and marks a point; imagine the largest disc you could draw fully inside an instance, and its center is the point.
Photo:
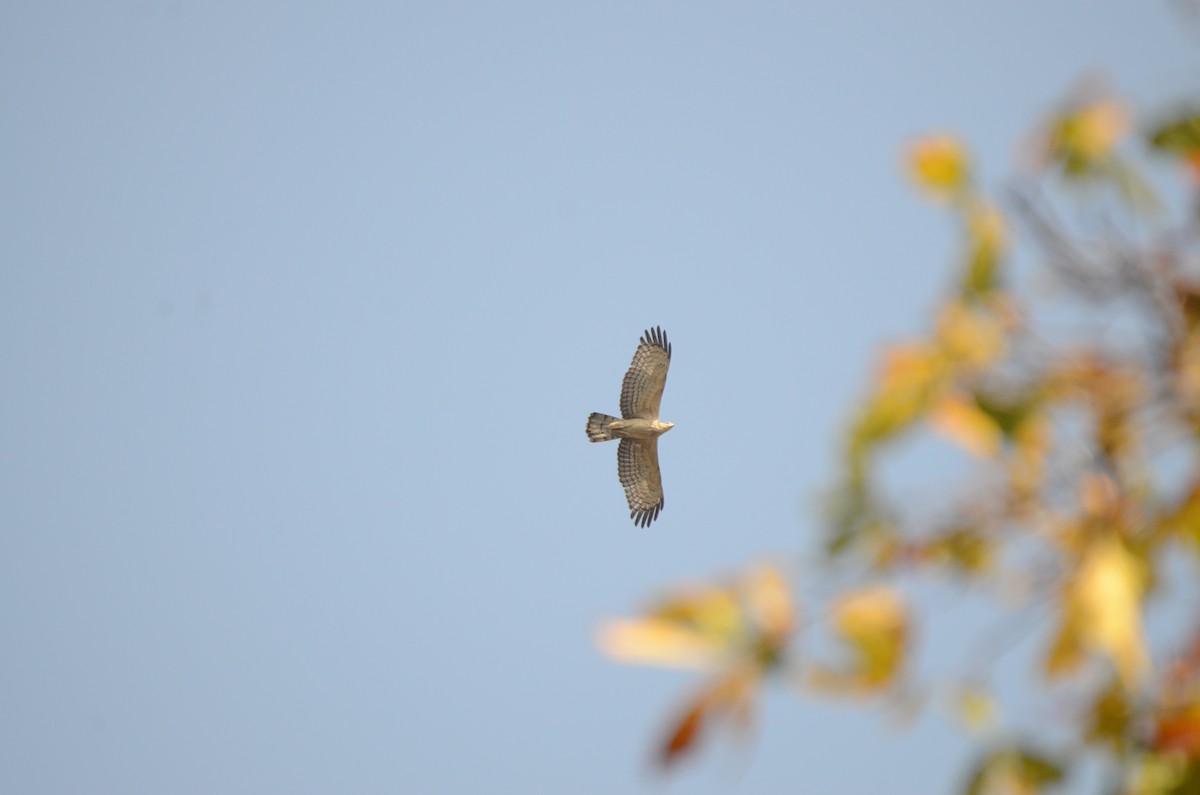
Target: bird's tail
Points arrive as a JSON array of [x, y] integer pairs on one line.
[[597, 427]]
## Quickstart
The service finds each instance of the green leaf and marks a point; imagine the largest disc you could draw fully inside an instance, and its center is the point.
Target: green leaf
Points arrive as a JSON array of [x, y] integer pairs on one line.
[[1009, 413], [1111, 713], [1179, 134], [980, 276]]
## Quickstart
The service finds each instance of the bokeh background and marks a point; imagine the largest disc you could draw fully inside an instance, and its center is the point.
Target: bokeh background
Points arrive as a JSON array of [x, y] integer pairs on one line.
[[302, 308]]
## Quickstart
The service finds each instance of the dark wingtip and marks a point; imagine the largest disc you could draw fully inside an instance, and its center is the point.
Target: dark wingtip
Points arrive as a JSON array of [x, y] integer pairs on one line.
[[644, 516], [657, 337]]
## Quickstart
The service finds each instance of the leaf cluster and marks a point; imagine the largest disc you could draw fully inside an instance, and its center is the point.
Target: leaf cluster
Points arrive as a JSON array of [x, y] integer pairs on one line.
[[1083, 447]]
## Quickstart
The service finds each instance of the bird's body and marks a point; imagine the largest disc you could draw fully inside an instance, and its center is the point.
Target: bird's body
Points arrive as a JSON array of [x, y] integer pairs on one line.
[[635, 428], [639, 427]]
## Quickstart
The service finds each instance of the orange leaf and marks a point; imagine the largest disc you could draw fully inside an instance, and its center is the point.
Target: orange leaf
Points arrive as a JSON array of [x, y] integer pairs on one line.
[[729, 698], [683, 736], [962, 420], [1179, 733], [1193, 160]]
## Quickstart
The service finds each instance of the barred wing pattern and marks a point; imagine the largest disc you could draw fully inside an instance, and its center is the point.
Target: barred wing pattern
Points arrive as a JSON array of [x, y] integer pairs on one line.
[[642, 389], [637, 467]]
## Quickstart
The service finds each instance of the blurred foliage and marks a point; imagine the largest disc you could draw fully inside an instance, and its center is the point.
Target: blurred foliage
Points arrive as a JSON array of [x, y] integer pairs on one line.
[[872, 627], [1081, 462], [736, 632], [1013, 771]]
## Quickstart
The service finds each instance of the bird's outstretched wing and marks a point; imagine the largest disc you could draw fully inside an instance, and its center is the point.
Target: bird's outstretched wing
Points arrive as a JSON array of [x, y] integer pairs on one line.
[[637, 467], [641, 391]]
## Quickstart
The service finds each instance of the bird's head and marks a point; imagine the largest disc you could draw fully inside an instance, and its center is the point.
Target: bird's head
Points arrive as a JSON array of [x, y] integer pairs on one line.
[[666, 426]]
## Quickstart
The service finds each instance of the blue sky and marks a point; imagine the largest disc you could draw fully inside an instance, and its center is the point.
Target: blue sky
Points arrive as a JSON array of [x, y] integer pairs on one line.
[[302, 309]]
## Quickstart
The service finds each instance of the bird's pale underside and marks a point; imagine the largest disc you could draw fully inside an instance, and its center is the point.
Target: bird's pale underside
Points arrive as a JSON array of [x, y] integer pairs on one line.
[[638, 427]]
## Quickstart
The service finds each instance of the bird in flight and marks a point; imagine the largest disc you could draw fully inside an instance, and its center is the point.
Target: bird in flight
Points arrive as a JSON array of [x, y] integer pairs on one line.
[[638, 428]]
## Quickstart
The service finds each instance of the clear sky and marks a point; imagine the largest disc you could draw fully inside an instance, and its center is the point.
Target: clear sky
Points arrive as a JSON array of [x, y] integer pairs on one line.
[[302, 309]]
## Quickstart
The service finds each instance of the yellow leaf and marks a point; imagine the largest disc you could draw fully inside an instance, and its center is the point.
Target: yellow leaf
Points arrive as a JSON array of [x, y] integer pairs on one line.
[[1102, 613], [705, 626], [707, 610], [654, 641], [907, 365], [1066, 652], [909, 378], [1162, 774], [970, 336], [1082, 138], [739, 630], [874, 624], [938, 164], [986, 237], [961, 419], [976, 708], [1109, 593], [985, 226], [1013, 771], [1027, 464], [967, 549], [768, 602], [869, 612], [1184, 518], [1096, 128]]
